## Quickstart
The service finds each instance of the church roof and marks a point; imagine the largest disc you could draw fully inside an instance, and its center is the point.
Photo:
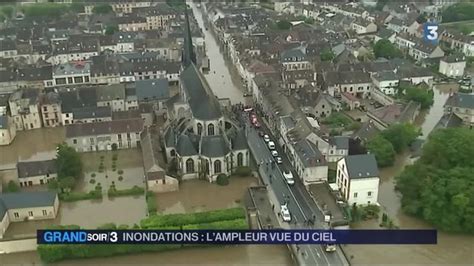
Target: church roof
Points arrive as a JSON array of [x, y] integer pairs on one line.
[[185, 147], [214, 146]]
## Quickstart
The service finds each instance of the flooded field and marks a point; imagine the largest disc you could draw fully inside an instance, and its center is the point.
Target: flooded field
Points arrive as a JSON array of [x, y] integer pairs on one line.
[[200, 195]]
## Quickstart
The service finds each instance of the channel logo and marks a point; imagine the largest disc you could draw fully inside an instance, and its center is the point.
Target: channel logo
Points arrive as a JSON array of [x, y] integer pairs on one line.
[[430, 32]]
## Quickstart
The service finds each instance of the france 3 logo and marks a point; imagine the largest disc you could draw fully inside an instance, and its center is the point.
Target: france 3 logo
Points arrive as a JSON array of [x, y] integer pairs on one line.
[[430, 32]]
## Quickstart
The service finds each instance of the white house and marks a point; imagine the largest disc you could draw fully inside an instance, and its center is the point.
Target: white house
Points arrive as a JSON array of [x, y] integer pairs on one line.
[[36, 172], [386, 81], [452, 66], [7, 130], [361, 26], [357, 178]]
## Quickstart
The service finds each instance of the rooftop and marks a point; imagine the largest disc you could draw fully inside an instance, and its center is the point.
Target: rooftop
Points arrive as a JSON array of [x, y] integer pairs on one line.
[[361, 166], [104, 128]]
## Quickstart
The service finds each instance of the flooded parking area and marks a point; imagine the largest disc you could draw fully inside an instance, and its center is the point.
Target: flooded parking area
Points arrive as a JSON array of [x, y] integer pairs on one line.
[[200, 195]]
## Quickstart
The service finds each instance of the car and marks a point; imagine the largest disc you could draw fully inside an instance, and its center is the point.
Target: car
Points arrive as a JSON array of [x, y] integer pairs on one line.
[[271, 145], [261, 134], [289, 177], [274, 153], [253, 116], [266, 138], [285, 213], [329, 247], [279, 160]]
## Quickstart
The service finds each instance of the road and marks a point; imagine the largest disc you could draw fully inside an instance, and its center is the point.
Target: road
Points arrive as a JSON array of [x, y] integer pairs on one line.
[[299, 202]]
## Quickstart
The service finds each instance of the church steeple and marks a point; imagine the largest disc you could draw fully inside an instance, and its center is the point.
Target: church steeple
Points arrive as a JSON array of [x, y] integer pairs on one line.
[[188, 57]]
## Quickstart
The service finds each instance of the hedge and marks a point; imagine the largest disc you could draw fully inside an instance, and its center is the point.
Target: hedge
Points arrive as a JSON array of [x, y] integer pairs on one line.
[[222, 180], [192, 218], [54, 253], [243, 171], [135, 190], [151, 203], [76, 196]]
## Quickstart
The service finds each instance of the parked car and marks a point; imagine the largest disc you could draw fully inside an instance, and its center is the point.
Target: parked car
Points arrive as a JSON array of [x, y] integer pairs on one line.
[[274, 153], [279, 160], [271, 145], [289, 177], [285, 213], [266, 138], [330, 247]]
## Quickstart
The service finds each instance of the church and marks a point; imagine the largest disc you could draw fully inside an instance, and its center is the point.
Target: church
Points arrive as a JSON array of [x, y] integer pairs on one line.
[[200, 137]]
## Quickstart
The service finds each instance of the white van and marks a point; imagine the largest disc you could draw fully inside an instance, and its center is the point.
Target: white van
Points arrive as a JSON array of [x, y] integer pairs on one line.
[[271, 145]]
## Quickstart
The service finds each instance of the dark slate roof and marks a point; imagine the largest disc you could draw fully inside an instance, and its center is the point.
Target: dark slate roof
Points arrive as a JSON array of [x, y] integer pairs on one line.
[[461, 100], [3, 122], [104, 128], [239, 142], [385, 33], [309, 154], [214, 146], [91, 112], [36, 168], [204, 105], [453, 59], [341, 142], [152, 89], [170, 137], [288, 55], [185, 147], [367, 131], [21, 200], [346, 77], [361, 166]]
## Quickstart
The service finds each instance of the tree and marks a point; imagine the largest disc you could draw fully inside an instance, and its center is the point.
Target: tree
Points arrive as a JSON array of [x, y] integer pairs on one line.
[[45, 10], [68, 162], [111, 29], [66, 184], [401, 135], [7, 11], [439, 187], [383, 151], [77, 7], [380, 4], [421, 96], [458, 12], [11, 187], [309, 20], [327, 55], [384, 48], [283, 25], [102, 9]]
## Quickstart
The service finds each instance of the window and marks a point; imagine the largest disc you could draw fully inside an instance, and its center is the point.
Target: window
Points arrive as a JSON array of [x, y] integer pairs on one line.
[[217, 166], [74, 141], [30, 213], [369, 194], [45, 108], [199, 129], [69, 80], [45, 213], [355, 194], [210, 130], [189, 165], [16, 215], [240, 159]]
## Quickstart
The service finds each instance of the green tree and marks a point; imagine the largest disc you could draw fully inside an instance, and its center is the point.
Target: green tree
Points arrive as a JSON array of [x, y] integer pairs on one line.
[[327, 55], [383, 151], [68, 162], [7, 11], [384, 48], [111, 29], [102, 9], [401, 135], [439, 187], [283, 25], [458, 12], [67, 183], [45, 10], [11, 187], [422, 96], [309, 20], [380, 4], [77, 7]]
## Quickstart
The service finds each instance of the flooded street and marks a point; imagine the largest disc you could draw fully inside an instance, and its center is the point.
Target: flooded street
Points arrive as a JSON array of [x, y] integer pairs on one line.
[[452, 249], [219, 77]]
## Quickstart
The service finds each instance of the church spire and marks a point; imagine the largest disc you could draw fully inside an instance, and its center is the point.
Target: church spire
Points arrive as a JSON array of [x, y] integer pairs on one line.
[[188, 56]]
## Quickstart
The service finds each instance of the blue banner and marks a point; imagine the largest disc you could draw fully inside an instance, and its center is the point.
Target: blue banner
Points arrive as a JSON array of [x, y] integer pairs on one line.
[[237, 237]]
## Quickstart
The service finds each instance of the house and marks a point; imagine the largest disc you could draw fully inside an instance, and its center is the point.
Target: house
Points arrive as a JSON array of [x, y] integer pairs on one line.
[[24, 108], [461, 105], [132, 22], [50, 106], [77, 48], [422, 51], [309, 162], [397, 25], [72, 73], [357, 83], [24, 206], [155, 91], [36, 172], [362, 26], [351, 101], [112, 96], [157, 17], [324, 105], [386, 82], [91, 114], [367, 132], [387, 115], [452, 66], [157, 179], [338, 148], [405, 41], [74, 100], [459, 42], [295, 59], [7, 130], [386, 34], [357, 178], [101, 136]]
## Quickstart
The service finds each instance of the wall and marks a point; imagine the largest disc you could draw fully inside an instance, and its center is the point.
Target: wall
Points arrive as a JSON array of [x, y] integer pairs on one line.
[[381, 97], [4, 225], [37, 213], [362, 187], [20, 245], [171, 184]]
